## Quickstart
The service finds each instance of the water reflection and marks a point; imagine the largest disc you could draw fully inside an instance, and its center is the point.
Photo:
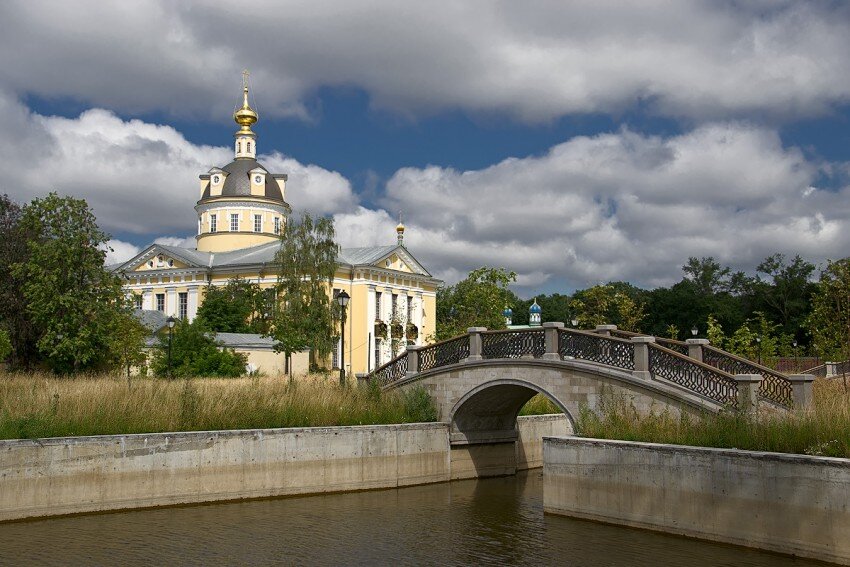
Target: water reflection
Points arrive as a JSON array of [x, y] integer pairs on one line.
[[489, 522]]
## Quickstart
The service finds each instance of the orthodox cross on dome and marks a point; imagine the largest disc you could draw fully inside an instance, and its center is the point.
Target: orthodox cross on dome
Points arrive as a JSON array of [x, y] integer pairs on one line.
[[245, 116]]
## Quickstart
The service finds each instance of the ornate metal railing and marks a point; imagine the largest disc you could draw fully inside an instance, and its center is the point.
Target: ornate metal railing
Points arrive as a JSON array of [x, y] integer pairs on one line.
[[444, 353], [679, 346], [842, 367], [513, 344], [585, 345], [693, 375], [392, 371], [775, 387]]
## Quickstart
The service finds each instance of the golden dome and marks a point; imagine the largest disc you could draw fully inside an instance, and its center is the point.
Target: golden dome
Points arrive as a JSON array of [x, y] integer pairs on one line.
[[245, 116], [399, 227]]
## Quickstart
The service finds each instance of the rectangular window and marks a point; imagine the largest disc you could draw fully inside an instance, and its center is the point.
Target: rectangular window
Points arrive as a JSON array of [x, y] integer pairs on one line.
[[234, 222], [378, 307], [183, 304], [277, 225], [377, 352], [394, 305], [138, 299], [258, 223], [213, 223], [409, 309], [160, 302]]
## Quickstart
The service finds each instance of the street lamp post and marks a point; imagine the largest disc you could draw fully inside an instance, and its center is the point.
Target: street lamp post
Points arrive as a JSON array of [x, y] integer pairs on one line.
[[796, 357], [170, 322], [342, 299], [758, 342]]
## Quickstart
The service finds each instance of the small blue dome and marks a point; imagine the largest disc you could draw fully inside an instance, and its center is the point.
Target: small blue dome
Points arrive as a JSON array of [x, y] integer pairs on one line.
[[535, 308], [508, 312]]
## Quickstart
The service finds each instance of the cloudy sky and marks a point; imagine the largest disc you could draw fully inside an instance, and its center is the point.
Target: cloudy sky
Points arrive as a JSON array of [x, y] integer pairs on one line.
[[572, 142]]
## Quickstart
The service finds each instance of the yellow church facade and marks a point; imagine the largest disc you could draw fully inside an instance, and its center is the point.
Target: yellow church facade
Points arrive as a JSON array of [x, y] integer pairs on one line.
[[241, 212]]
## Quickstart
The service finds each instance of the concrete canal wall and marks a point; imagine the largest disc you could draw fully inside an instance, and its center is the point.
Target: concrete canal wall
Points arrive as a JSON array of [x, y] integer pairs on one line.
[[792, 504], [46, 477]]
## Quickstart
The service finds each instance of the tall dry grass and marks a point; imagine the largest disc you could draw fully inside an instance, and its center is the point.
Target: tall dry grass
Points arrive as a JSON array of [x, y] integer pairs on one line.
[[539, 405], [34, 406], [823, 429]]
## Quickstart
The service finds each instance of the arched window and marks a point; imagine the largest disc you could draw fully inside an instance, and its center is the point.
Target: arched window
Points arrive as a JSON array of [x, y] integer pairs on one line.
[[249, 147], [238, 147]]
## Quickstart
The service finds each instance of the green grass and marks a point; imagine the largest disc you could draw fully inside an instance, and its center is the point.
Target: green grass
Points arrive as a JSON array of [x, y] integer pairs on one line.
[[822, 430], [539, 405], [35, 406]]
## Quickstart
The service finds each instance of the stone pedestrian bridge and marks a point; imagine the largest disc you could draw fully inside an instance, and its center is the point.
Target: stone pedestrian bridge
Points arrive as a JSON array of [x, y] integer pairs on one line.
[[480, 380]]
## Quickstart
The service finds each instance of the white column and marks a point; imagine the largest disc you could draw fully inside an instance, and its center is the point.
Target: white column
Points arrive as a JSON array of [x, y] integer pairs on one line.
[[171, 302], [192, 306], [418, 307], [370, 328], [147, 300]]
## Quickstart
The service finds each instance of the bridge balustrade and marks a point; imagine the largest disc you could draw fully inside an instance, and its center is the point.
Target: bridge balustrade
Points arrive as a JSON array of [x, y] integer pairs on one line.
[[693, 365], [679, 346], [447, 352], [585, 345], [696, 376], [774, 387], [513, 344]]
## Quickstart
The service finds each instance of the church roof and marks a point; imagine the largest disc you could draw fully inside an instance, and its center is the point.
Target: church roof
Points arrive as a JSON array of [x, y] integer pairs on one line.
[[368, 255], [238, 180], [265, 254]]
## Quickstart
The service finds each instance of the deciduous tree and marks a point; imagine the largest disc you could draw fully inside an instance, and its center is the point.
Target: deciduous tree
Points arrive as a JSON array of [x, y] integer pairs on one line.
[[306, 264], [71, 299], [479, 300]]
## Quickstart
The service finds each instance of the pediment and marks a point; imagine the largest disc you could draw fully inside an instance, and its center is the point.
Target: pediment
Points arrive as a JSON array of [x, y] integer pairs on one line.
[[400, 260], [156, 257]]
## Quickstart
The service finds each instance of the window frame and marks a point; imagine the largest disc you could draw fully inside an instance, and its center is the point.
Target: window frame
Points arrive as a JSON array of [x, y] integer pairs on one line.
[[234, 217]]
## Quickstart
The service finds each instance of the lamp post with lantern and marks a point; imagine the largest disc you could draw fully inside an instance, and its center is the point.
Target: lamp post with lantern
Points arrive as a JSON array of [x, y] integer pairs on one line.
[[342, 300], [170, 323], [694, 331]]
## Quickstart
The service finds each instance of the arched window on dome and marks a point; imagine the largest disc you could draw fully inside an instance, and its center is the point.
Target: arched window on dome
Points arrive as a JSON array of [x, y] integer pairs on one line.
[[249, 147]]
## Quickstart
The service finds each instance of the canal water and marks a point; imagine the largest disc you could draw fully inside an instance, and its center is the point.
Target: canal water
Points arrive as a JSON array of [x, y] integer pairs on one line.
[[486, 522]]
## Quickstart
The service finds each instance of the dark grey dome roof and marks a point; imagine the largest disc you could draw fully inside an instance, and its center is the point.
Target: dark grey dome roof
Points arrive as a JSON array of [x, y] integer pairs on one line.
[[238, 181]]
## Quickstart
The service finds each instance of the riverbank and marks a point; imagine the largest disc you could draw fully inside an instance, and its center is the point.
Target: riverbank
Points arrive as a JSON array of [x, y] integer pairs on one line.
[[794, 504], [822, 429], [56, 476]]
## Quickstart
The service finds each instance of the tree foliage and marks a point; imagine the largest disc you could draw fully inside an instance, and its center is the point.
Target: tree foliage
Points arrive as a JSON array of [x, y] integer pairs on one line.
[[195, 353], [606, 304], [306, 264], [236, 307], [829, 321], [14, 317], [477, 301], [71, 299]]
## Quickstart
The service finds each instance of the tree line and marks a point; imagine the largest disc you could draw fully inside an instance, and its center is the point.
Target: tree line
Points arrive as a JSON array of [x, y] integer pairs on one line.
[[787, 308]]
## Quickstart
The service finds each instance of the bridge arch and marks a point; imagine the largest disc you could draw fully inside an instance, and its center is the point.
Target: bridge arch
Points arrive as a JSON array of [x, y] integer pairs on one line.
[[488, 412], [481, 399]]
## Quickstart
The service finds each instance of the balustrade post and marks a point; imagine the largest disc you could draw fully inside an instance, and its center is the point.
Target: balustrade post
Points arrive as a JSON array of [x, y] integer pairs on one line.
[[412, 360], [641, 345], [553, 347], [605, 330], [748, 391], [475, 343], [831, 369], [695, 348], [803, 390]]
